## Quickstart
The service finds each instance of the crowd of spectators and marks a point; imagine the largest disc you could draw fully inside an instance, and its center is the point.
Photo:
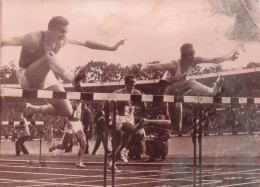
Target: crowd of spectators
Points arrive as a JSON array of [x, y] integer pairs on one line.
[[216, 119]]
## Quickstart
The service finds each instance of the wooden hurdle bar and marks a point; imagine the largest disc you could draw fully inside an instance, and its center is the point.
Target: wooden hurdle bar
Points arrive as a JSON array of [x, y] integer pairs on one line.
[[199, 100]]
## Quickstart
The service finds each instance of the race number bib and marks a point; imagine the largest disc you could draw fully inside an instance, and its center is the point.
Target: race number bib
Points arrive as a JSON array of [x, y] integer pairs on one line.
[[129, 110], [77, 113]]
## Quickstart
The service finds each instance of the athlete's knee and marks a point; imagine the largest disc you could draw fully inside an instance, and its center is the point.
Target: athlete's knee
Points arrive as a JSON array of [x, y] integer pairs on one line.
[[50, 58], [68, 112], [65, 111], [127, 127], [83, 144]]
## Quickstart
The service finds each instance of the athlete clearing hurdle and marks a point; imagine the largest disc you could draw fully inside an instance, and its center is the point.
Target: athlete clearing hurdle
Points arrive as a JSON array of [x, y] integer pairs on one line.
[[38, 64], [174, 83]]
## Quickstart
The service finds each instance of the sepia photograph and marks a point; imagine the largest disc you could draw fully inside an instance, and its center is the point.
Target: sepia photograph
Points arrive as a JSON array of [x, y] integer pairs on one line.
[[129, 93]]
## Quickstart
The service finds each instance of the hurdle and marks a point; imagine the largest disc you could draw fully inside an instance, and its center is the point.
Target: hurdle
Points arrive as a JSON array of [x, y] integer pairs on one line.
[[108, 97], [16, 123]]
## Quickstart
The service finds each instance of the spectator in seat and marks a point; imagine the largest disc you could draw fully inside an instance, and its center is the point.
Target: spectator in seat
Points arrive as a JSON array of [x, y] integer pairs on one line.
[[157, 142]]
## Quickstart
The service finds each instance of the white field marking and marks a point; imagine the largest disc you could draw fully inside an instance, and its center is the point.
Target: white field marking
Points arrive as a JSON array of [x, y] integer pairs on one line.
[[40, 183], [126, 171], [131, 184], [82, 170], [226, 173], [212, 182], [215, 181], [241, 171], [51, 174], [162, 180], [234, 172], [240, 184], [137, 178], [59, 184], [221, 174], [167, 169], [65, 178], [42, 180], [248, 170], [123, 178], [86, 169], [15, 180], [250, 178], [77, 175], [153, 171], [91, 181]]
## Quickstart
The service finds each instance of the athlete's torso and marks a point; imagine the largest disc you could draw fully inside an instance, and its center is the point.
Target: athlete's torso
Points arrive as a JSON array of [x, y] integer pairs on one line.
[[126, 108], [76, 115], [35, 46], [175, 74]]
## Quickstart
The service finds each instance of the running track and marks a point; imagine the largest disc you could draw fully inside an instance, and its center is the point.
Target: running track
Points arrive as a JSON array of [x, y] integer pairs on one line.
[[53, 174]]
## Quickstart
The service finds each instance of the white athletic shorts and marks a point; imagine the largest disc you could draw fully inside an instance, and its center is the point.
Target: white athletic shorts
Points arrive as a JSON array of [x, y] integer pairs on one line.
[[49, 81], [76, 127], [68, 129], [122, 119]]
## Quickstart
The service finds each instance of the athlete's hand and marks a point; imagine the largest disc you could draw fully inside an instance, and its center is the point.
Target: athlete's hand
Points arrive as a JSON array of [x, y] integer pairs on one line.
[[122, 42], [50, 55], [234, 56]]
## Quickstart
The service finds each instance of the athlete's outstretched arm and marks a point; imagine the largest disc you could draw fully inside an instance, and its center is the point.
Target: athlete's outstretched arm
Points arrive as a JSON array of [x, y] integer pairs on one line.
[[170, 66], [218, 60], [16, 41], [94, 45]]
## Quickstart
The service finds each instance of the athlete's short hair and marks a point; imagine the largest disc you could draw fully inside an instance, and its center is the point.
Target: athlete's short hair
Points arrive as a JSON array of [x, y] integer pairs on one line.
[[57, 21], [185, 47], [128, 77]]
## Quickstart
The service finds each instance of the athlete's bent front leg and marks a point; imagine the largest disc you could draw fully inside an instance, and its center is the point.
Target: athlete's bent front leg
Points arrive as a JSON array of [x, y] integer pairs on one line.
[[56, 107], [56, 67], [202, 90]]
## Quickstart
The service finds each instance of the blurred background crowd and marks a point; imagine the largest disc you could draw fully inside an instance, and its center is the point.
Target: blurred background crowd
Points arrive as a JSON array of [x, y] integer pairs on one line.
[[217, 119]]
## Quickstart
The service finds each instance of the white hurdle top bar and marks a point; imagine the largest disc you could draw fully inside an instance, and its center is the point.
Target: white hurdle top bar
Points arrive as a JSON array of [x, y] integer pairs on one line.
[[15, 123], [47, 94]]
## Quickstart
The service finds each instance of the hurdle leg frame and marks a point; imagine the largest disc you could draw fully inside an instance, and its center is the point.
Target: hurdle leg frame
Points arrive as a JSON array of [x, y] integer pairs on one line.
[[1, 118], [194, 141], [197, 122], [200, 144], [107, 109], [40, 151], [114, 142]]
